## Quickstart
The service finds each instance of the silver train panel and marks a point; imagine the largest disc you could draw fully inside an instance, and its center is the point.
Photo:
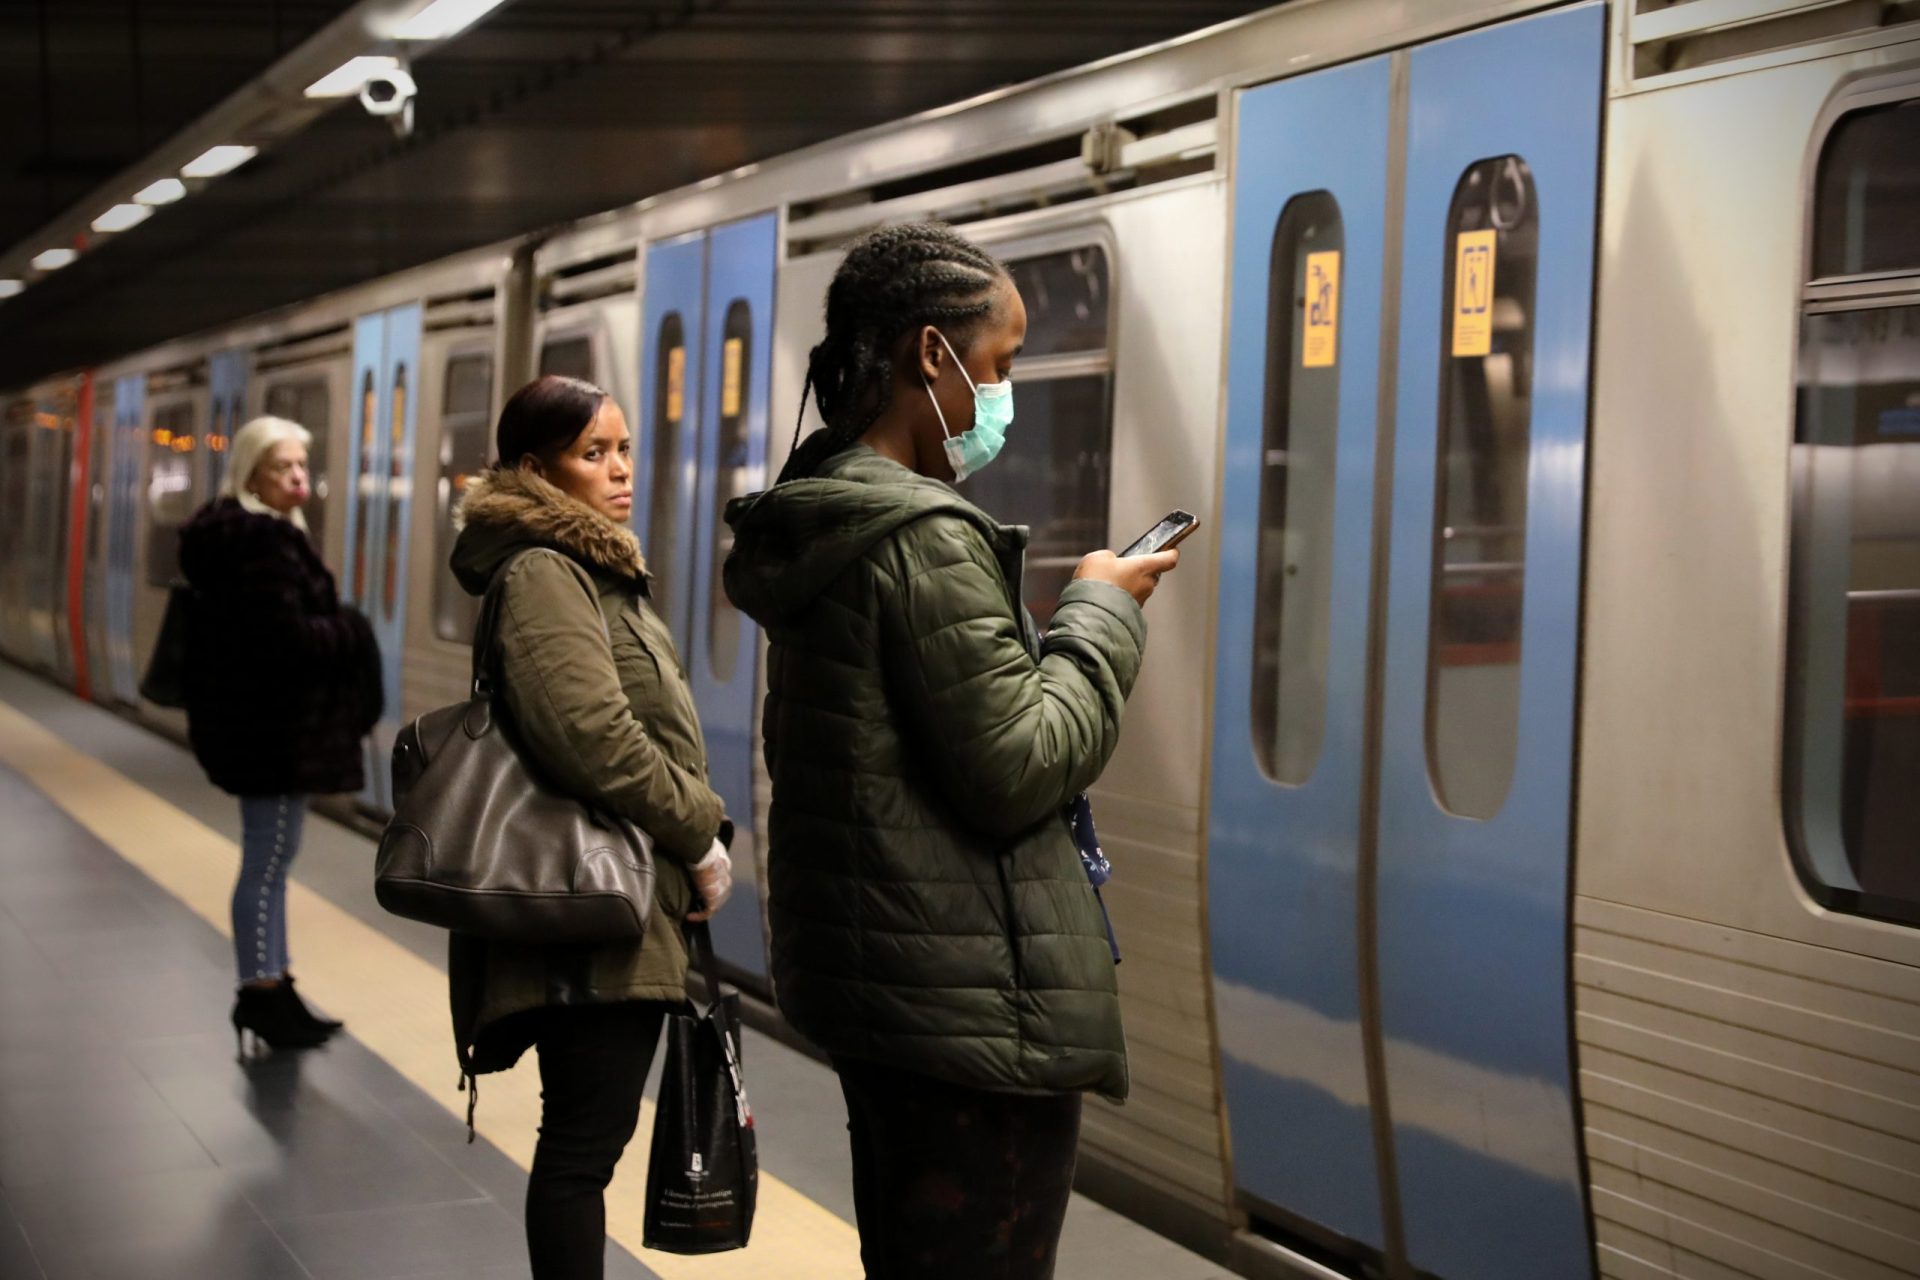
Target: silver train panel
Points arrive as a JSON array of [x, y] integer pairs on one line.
[[1748, 1058]]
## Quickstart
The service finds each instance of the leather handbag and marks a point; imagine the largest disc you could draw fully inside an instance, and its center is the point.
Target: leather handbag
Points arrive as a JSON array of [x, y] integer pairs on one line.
[[480, 844]]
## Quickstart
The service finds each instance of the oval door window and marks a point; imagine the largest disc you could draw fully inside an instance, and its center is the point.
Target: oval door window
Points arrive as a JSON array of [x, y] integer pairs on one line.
[[1480, 507], [663, 477], [729, 482], [1293, 573]]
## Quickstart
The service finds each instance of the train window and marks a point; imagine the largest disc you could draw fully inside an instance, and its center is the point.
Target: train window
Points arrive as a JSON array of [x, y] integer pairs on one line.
[[309, 403], [1865, 209], [569, 357], [729, 481], [1480, 506], [670, 403], [1054, 473], [465, 419], [169, 489], [1294, 566], [1067, 299]]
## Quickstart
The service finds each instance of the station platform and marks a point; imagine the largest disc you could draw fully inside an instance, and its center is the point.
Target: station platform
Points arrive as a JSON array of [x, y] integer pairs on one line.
[[134, 1145]]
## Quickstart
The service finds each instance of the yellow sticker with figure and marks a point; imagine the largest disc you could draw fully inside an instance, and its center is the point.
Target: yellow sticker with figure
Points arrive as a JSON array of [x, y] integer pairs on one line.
[[730, 377], [1473, 293], [676, 383], [1321, 339]]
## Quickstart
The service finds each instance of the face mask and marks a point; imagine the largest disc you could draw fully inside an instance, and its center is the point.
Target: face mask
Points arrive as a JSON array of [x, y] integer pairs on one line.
[[973, 449]]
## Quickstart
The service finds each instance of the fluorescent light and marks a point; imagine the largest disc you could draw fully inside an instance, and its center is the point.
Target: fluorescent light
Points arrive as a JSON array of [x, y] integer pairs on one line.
[[351, 76], [54, 259], [10, 288], [215, 161], [165, 191], [121, 217], [445, 18]]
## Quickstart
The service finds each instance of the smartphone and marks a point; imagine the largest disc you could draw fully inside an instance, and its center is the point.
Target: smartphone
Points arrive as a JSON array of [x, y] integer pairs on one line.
[[1167, 534]]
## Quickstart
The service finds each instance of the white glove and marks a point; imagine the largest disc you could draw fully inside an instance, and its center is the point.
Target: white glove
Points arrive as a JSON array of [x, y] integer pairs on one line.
[[713, 881]]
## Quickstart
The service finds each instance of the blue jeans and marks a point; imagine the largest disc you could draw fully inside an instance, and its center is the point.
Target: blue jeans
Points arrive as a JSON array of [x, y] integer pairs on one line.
[[269, 837]]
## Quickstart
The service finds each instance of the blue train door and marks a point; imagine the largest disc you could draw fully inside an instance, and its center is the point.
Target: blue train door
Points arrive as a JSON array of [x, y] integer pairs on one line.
[[123, 506], [226, 410], [386, 379], [705, 364], [1392, 759]]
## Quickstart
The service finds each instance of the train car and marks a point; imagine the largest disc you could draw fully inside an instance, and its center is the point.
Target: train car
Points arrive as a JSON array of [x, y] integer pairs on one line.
[[1514, 838]]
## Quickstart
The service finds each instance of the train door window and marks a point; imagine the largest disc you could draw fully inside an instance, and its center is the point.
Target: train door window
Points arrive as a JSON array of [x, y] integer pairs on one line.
[[570, 357], [397, 481], [1054, 473], [465, 419], [729, 481], [1294, 560], [169, 489], [1480, 507], [670, 403], [308, 402], [361, 511], [224, 421], [1853, 676]]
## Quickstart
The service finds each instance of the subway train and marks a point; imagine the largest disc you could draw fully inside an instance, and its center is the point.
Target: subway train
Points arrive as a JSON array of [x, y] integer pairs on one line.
[[1516, 842]]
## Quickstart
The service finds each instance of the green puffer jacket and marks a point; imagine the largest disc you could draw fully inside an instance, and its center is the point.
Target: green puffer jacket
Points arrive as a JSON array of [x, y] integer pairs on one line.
[[928, 905], [597, 698]]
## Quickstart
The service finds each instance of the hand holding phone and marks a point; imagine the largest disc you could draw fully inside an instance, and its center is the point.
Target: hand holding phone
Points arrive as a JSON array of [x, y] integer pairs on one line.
[[1137, 570]]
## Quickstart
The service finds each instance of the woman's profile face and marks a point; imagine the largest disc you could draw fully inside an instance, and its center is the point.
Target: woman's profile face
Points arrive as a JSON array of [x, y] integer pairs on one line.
[[988, 358], [597, 468], [280, 477]]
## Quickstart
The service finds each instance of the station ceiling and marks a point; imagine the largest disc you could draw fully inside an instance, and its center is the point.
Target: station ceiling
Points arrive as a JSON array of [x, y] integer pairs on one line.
[[546, 111]]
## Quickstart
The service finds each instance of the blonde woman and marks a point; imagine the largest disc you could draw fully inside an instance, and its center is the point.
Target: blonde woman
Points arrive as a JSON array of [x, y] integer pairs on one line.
[[282, 683]]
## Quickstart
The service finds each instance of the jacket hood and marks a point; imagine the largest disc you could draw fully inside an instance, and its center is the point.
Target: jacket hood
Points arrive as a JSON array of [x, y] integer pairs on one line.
[[507, 510], [793, 540]]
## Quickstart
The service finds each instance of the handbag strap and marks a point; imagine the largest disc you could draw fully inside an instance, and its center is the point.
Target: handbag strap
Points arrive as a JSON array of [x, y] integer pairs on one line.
[[486, 627], [700, 952]]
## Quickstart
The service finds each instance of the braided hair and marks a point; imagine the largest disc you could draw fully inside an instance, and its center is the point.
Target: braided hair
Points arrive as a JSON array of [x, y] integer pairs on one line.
[[893, 280]]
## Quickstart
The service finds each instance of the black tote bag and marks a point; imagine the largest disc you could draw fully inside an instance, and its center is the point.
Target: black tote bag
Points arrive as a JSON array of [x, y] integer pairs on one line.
[[165, 683], [704, 1170]]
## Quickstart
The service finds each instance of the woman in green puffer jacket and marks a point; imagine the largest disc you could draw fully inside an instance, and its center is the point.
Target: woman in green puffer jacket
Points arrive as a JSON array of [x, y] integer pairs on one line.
[[599, 703], [934, 929]]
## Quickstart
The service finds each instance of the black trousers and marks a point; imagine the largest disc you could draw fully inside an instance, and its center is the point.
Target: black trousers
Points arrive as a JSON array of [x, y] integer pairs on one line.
[[952, 1183], [593, 1069]]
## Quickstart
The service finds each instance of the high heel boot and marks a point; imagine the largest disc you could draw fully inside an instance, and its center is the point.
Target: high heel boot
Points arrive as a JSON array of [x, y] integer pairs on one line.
[[299, 1010], [264, 1012]]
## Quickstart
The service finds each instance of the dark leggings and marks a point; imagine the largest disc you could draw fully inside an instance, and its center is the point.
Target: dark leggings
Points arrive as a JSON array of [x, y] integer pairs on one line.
[[593, 1069], [952, 1183]]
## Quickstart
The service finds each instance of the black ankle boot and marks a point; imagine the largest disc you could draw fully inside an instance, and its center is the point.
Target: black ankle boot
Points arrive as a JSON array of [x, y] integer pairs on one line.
[[301, 1013], [264, 1012]]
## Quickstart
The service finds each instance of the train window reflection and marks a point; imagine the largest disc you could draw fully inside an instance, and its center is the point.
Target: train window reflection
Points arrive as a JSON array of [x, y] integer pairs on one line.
[[399, 478], [1054, 473], [568, 357], [1867, 200], [464, 438], [308, 402], [169, 489], [1294, 574], [361, 510], [729, 481], [1480, 507], [670, 400], [1854, 678]]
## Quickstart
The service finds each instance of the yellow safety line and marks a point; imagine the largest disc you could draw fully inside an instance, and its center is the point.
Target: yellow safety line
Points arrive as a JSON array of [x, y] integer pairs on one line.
[[395, 1004]]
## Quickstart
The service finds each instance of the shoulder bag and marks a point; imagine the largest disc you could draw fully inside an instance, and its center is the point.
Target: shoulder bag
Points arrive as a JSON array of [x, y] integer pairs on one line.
[[480, 844]]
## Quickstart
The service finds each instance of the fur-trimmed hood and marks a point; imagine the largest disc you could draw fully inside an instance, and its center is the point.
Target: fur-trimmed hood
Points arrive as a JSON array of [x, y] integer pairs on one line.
[[508, 509]]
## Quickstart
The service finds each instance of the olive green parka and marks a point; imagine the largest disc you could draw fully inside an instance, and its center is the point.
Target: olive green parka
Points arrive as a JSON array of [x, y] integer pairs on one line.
[[596, 698], [928, 905]]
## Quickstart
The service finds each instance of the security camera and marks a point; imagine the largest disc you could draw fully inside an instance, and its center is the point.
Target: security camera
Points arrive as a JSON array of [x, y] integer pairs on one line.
[[389, 94]]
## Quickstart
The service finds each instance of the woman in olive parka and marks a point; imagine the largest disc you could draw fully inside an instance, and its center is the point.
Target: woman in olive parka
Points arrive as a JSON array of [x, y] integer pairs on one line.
[[598, 702], [934, 929]]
